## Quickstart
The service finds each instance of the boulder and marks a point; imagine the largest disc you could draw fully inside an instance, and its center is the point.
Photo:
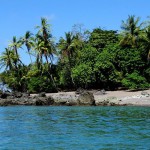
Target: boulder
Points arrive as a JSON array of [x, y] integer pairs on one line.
[[8, 102], [65, 99], [86, 98], [44, 101], [3, 95], [17, 94]]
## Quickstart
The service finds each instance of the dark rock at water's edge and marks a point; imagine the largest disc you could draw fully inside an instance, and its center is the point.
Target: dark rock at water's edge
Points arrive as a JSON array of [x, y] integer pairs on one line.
[[17, 98], [86, 98], [44, 101]]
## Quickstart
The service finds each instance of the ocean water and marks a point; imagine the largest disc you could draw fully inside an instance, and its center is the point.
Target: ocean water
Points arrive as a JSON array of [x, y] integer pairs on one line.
[[74, 128]]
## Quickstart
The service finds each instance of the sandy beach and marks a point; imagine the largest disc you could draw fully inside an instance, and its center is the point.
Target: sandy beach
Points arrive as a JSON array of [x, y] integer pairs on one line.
[[79, 98], [121, 97]]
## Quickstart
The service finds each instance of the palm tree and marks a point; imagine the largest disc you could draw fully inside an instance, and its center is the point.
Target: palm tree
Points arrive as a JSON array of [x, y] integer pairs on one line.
[[15, 45], [68, 47], [45, 37], [38, 45], [45, 46], [7, 59], [28, 41], [146, 40], [44, 29], [131, 31]]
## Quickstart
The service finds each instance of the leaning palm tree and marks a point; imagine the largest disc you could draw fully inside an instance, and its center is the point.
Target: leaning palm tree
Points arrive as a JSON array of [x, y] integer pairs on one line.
[[131, 31], [28, 41]]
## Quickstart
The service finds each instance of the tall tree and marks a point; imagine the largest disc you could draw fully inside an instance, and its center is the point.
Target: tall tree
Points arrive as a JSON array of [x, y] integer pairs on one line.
[[100, 38], [28, 41], [131, 31], [15, 45], [146, 40], [45, 45], [69, 50], [7, 59]]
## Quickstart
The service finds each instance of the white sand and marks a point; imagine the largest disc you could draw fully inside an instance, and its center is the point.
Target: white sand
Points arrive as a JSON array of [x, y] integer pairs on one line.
[[127, 97], [122, 97]]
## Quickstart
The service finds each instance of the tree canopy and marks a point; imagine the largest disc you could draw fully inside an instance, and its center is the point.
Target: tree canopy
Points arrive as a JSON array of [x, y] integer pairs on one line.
[[100, 59]]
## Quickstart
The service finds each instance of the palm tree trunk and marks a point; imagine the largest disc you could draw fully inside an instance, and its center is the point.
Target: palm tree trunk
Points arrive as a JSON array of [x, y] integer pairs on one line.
[[70, 66], [49, 72]]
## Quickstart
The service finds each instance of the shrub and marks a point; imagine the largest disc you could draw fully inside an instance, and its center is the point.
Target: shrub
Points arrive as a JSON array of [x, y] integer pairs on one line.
[[134, 81]]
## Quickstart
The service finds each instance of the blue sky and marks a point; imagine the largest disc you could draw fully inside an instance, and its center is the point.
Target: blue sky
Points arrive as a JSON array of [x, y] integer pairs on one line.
[[18, 16]]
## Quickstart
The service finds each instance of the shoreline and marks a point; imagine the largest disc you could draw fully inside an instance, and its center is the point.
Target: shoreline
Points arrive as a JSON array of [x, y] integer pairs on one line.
[[119, 98], [83, 98]]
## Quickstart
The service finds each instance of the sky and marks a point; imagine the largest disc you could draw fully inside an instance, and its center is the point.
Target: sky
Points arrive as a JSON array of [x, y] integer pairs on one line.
[[19, 16]]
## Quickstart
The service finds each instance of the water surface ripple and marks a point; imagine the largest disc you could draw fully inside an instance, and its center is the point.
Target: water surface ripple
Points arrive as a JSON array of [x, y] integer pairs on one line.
[[74, 128]]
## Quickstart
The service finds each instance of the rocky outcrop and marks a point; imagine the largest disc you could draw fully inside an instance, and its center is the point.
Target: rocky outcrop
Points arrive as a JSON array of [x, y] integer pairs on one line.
[[17, 98], [108, 101], [44, 101], [85, 98], [65, 99]]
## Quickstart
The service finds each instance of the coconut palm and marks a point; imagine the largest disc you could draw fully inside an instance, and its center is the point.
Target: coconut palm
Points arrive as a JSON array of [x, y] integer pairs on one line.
[[45, 46], [7, 59], [68, 47], [131, 31], [14, 46], [45, 37], [44, 29], [28, 41], [146, 40]]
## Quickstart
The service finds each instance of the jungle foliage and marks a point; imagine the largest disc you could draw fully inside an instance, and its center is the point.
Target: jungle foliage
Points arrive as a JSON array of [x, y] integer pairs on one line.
[[100, 59]]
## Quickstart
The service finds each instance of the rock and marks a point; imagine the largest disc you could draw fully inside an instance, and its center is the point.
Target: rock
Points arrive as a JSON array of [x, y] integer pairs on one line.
[[25, 95], [17, 94], [101, 92], [7, 102], [44, 101], [65, 99], [42, 94], [3, 95], [79, 91], [108, 101], [86, 98]]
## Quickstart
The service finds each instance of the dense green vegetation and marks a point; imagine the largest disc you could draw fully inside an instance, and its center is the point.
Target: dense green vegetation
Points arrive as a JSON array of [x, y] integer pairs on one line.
[[101, 59]]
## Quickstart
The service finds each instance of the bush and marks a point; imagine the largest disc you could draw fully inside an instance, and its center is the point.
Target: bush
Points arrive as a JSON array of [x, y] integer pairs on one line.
[[40, 84], [134, 81]]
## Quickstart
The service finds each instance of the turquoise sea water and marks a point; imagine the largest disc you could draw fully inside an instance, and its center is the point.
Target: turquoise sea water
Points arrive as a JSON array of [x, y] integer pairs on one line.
[[74, 128]]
